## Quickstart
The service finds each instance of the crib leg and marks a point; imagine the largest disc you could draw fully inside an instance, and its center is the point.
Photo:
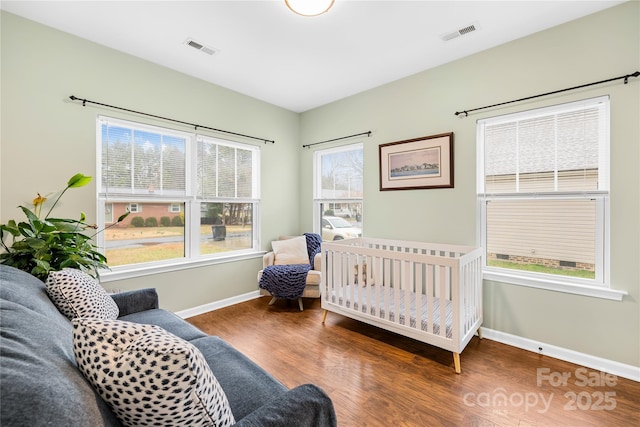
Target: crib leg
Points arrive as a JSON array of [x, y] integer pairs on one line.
[[456, 362], [480, 333], [324, 316]]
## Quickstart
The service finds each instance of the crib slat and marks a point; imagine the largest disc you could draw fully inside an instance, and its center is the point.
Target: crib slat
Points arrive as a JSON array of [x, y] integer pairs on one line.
[[387, 287], [407, 285], [443, 298], [430, 295], [418, 295], [397, 284], [379, 282]]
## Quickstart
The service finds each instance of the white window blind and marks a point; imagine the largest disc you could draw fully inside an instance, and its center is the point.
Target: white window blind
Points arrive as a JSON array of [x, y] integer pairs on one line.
[[136, 160], [225, 171], [551, 150], [339, 175]]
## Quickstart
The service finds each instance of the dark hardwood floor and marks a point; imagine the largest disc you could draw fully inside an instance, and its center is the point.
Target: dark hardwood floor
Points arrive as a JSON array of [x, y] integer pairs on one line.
[[378, 378]]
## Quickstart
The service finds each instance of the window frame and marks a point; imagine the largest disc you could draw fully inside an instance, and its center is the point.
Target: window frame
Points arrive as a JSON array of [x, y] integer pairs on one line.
[[191, 203], [600, 286], [138, 208], [318, 201]]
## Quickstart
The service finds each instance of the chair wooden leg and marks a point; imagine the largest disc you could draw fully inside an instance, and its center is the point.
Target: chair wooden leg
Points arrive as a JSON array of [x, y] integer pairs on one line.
[[324, 316], [273, 300], [456, 362], [300, 304], [480, 333]]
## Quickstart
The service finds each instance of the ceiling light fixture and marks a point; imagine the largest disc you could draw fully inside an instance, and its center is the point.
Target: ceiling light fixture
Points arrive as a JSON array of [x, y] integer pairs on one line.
[[309, 7]]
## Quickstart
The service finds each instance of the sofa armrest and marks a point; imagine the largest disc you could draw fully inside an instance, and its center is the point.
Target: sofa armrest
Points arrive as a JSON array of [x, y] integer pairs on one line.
[[136, 301], [305, 405]]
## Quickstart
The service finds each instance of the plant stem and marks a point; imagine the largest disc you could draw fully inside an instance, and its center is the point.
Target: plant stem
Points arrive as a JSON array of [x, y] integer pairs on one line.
[[56, 202], [106, 228]]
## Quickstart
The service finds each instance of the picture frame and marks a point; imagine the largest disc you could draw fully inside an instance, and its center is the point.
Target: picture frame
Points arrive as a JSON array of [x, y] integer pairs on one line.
[[418, 163]]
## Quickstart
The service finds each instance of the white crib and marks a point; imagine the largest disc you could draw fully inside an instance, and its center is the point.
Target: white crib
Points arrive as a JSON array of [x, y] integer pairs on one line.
[[428, 292]]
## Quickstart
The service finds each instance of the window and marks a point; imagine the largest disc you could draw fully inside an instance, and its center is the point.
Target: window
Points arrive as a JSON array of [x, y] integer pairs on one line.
[[135, 208], [338, 192], [191, 197], [543, 191], [108, 213]]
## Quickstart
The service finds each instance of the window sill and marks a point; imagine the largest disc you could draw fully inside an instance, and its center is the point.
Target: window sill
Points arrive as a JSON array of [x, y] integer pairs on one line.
[[128, 272], [555, 285]]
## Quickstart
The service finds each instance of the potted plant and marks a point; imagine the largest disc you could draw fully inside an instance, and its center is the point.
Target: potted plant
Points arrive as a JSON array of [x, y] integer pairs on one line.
[[43, 244]]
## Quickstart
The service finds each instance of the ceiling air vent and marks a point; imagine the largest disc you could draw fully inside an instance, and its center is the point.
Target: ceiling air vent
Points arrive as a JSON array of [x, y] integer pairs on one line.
[[460, 32], [202, 48]]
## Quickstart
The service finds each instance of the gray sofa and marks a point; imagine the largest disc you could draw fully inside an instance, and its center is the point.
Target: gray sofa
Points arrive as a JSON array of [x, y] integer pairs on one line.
[[40, 383]]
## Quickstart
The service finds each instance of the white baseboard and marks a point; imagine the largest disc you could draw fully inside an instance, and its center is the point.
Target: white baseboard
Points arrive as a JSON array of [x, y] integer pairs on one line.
[[201, 309], [612, 367]]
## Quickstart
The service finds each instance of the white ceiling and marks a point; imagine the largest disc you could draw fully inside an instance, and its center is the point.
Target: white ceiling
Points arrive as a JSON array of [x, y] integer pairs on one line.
[[298, 63]]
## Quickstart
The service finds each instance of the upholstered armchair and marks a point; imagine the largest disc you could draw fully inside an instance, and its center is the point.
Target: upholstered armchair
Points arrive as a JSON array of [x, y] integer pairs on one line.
[[287, 251]]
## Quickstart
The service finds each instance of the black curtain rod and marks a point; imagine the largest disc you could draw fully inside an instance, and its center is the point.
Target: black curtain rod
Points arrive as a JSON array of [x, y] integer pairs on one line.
[[368, 133], [626, 80], [85, 101]]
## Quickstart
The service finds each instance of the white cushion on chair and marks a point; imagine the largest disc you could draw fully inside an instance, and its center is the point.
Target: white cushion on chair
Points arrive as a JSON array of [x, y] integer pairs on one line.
[[290, 251]]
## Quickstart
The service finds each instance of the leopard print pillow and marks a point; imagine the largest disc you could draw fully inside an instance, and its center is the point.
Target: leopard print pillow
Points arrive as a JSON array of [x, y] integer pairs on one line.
[[76, 294], [149, 376]]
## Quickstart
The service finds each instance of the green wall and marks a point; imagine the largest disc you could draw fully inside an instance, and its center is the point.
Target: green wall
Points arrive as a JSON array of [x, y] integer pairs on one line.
[[594, 48], [45, 139]]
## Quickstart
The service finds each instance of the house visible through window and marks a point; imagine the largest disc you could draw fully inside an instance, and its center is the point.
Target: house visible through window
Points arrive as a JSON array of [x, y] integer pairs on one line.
[[135, 207], [543, 190], [190, 196], [338, 192]]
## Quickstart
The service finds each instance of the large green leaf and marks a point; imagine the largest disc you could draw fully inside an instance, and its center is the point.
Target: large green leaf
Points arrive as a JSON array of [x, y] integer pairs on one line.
[[11, 227], [67, 225], [35, 243], [78, 180], [30, 215], [123, 216], [26, 229]]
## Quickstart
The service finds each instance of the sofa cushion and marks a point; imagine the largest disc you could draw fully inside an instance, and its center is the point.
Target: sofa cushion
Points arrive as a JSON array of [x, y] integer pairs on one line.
[[76, 294], [40, 383], [305, 405], [247, 386], [147, 374], [166, 320], [290, 251]]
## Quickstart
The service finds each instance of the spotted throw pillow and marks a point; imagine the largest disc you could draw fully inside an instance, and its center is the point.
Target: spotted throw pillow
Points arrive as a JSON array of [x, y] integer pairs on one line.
[[76, 294], [149, 376]]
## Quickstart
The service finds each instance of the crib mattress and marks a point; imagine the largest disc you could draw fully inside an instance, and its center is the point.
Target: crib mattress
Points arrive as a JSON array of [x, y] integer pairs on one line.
[[343, 298]]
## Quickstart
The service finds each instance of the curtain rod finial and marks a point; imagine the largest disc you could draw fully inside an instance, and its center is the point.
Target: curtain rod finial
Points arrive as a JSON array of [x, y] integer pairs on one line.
[[626, 78]]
